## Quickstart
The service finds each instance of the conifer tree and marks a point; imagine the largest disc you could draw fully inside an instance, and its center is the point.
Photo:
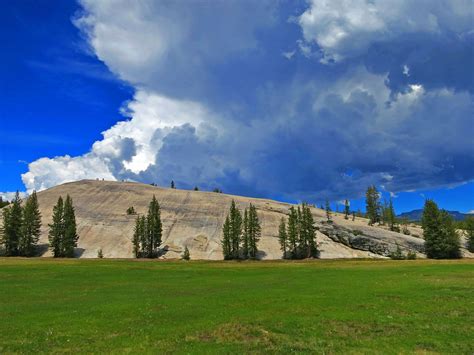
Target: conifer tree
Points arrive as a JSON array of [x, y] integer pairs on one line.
[[283, 237], [292, 233], [235, 230], [441, 239], [173, 186], [346, 209], [137, 237], [353, 216], [254, 231], [70, 237], [392, 217], [226, 242], [13, 228], [246, 236], [153, 228], [31, 227], [328, 210], [372, 205], [186, 255], [308, 248], [470, 233], [56, 229]]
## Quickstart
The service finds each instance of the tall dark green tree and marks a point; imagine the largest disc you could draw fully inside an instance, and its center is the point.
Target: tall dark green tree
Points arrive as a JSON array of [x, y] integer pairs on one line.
[[226, 243], [246, 236], [235, 230], [292, 233], [283, 237], [392, 217], [346, 209], [173, 186], [70, 237], [12, 226], [441, 239], [307, 247], [56, 229], [372, 205], [328, 210], [153, 229], [138, 236], [254, 232], [31, 227], [469, 225]]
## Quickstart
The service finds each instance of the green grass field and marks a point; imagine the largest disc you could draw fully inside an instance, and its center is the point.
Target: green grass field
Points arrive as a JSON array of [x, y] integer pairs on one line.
[[202, 307]]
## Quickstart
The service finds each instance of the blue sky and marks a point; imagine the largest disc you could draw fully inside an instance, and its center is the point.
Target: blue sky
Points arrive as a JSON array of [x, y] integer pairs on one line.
[[293, 100]]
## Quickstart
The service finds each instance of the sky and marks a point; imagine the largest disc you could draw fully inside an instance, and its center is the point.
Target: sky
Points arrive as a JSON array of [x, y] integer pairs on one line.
[[291, 100]]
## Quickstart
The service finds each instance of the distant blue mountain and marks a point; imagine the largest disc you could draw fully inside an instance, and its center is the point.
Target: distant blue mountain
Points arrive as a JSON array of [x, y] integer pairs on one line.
[[415, 215]]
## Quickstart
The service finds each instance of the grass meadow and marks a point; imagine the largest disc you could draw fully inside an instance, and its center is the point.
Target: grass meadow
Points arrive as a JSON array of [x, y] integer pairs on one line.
[[337, 306]]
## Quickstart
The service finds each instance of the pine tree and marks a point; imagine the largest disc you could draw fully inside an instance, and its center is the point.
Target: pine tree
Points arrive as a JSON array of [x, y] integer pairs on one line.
[[173, 186], [441, 239], [470, 233], [392, 217], [56, 229], [70, 237], [346, 209], [226, 243], [254, 231], [100, 254], [137, 237], [153, 228], [353, 216], [372, 205], [186, 255], [308, 248], [283, 237], [328, 210], [235, 230], [246, 236], [31, 227], [196, 188], [292, 233]]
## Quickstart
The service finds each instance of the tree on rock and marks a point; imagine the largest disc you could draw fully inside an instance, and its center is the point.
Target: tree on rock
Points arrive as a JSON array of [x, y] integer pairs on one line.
[[283, 237], [346, 209], [328, 210], [31, 227], [372, 205], [56, 229], [12, 227], [186, 255], [441, 239]]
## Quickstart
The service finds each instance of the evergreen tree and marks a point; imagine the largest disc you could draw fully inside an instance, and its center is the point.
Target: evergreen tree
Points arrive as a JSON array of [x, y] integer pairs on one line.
[[186, 255], [56, 229], [31, 227], [70, 237], [226, 242], [235, 230], [173, 186], [392, 217], [353, 216], [196, 188], [3, 203], [283, 237], [137, 237], [441, 239], [12, 226], [100, 254], [308, 248], [372, 205], [292, 233], [254, 231], [328, 210], [153, 229], [469, 225], [246, 236], [346, 209]]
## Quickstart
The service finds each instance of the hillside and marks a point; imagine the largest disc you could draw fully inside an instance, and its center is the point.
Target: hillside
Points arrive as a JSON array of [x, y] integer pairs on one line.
[[195, 218], [416, 215]]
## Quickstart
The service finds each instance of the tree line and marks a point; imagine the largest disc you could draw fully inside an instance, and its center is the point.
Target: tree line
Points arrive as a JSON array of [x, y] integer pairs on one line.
[[21, 227]]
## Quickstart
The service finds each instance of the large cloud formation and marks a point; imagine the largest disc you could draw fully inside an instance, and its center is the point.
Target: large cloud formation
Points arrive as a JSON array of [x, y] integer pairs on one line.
[[379, 93]]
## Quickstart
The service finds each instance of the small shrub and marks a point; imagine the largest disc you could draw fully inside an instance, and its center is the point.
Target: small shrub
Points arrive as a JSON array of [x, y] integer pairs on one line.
[[186, 255], [357, 232], [131, 211], [405, 230], [397, 254], [100, 254], [411, 255]]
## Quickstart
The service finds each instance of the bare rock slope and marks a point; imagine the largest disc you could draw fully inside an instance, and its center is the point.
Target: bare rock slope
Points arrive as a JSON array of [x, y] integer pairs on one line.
[[194, 219]]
